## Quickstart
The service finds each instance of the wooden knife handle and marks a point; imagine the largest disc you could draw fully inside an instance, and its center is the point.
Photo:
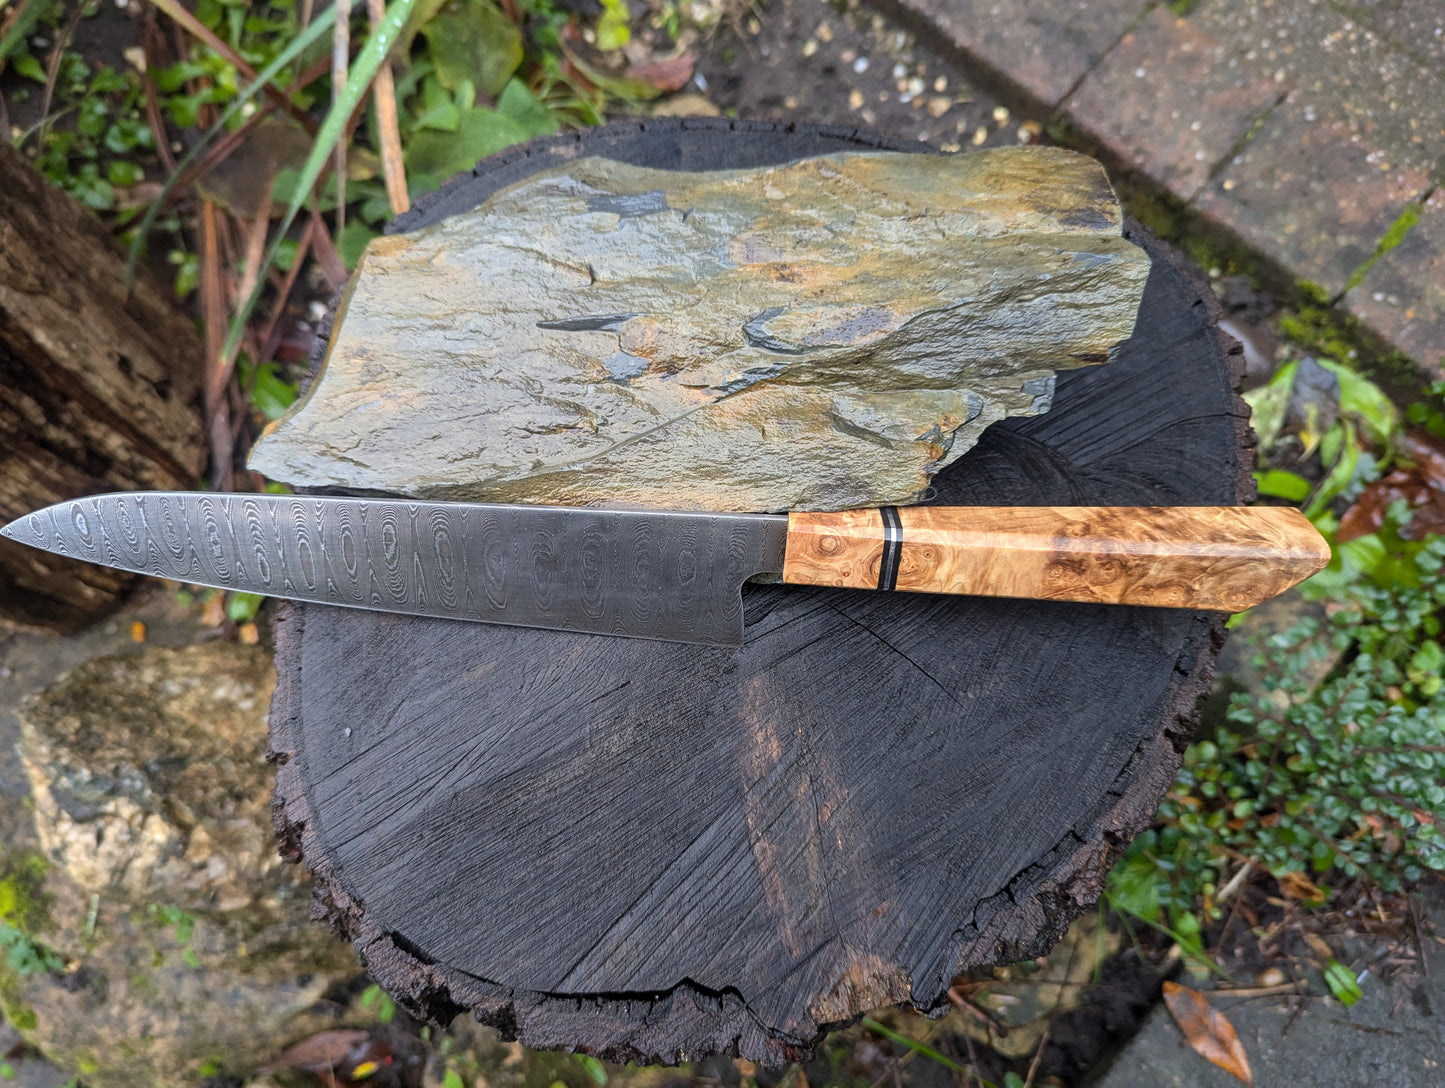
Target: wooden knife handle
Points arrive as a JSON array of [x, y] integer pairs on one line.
[[1224, 558]]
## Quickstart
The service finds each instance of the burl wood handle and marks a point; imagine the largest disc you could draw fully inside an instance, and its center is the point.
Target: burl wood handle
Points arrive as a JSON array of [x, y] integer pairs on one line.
[[1224, 558]]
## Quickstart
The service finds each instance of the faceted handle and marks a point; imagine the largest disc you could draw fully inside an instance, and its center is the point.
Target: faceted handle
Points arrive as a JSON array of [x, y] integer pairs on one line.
[[1222, 558]]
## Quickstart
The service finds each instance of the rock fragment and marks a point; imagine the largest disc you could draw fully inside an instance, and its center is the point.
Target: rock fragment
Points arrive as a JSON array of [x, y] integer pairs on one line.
[[819, 335]]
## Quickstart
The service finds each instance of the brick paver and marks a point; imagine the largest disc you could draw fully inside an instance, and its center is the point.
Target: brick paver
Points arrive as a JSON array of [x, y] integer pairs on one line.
[[1304, 127], [1311, 195], [1403, 294], [1168, 102], [1043, 49]]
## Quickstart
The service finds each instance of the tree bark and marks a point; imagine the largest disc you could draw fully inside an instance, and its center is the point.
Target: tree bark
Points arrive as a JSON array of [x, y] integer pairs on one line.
[[99, 389], [653, 851]]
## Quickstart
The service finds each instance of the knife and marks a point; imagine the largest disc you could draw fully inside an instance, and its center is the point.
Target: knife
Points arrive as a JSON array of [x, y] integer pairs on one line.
[[672, 575]]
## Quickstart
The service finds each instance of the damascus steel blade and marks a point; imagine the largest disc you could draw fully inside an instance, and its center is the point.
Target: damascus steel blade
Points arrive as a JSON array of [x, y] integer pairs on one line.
[[666, 575]]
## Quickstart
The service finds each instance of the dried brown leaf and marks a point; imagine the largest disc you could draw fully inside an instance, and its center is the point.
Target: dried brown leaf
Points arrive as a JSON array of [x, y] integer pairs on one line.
[[1298, 886], [666, 75], [1420, 482], [1427, 453], [1207, 1031], [324, 1051], [1368, 513]]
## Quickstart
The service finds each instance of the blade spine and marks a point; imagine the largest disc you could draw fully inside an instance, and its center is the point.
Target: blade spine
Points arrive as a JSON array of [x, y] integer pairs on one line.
[[762, 552]]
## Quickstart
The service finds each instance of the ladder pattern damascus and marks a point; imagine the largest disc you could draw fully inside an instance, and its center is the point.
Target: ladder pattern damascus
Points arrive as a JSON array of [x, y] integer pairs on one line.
[[642, 573]]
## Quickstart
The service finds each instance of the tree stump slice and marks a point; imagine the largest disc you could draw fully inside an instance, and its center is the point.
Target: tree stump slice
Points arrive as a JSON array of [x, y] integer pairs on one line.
[[653, 851]]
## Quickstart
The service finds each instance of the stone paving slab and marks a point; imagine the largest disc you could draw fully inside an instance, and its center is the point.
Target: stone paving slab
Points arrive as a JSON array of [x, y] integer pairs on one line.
[[1172, 102], [1393, 1036], [1310, 195], [1302, 127], [1042, 48], [1403, 294]]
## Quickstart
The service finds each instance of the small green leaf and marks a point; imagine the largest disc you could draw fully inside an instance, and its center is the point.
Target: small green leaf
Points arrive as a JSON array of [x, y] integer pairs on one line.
[[1268, 404], [241, 607], [1342, 983], [352, 241], [1283, 485], [476, 43], [593, 1068], [190, 957], [125, 174], [612, 29], [527, 110], [452, 1079], [1365, 401], [29, 67], [480, 132]]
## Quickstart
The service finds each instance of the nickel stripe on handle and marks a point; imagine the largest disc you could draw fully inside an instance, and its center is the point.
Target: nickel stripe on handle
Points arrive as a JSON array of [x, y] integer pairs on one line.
[[892, 548]]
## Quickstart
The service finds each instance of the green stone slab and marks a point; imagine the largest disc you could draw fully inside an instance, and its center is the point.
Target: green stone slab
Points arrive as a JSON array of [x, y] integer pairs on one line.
[[819, 335]]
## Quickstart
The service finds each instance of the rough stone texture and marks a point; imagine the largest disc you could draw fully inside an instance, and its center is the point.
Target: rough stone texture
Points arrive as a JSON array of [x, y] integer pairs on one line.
[[1043, 47], [149, 776], [1171, 102], [152, 797], [148, 997], [1403, 294], [817, 335]]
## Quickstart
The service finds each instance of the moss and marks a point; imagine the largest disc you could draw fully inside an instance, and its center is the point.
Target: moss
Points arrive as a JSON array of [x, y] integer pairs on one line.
[[1323, 330], [12, 1001], [1392, 237], [24, 902]]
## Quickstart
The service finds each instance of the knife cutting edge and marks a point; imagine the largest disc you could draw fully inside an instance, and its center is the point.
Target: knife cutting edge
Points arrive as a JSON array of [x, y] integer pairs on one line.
[[672, 575]]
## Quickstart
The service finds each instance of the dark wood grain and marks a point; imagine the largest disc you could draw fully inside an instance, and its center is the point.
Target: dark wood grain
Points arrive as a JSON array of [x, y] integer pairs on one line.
[[654, 851]]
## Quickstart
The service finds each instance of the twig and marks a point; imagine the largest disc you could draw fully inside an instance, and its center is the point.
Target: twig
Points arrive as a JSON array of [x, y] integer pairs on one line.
[[213, 311], [52, 69], [1419, 934], [332, 266], [1038, 1054], [1260, 991], [972, 1058], [1235, 881], [383, 93], [203, 34], [270, 336], [340, 57]]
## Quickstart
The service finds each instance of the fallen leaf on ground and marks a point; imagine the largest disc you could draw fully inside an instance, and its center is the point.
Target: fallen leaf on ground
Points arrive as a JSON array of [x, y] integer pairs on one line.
[[1298, 886], [1420, 482], [666, 75], [339, 1057], [1207, 1030]]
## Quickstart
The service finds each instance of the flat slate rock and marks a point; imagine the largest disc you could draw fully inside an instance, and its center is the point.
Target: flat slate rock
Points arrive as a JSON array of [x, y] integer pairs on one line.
[[818, 335], [654, 851]]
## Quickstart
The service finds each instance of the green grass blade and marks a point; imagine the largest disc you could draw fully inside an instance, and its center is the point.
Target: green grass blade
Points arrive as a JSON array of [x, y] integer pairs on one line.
[[30, 13], [318, 27], [343, 105], [923, 1049]]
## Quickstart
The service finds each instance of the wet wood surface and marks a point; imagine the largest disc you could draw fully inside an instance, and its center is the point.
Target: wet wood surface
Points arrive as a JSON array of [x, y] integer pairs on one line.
[[1224, 558], [654, 851], [99, 389]]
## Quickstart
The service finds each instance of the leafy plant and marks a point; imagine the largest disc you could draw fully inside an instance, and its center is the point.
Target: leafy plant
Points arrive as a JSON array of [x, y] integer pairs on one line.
[[1333, 765], [23, 915], [376, 1000]]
